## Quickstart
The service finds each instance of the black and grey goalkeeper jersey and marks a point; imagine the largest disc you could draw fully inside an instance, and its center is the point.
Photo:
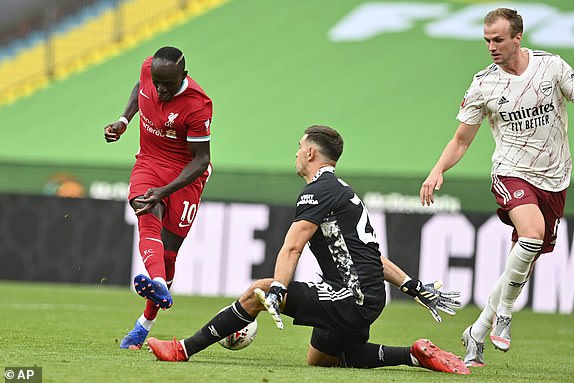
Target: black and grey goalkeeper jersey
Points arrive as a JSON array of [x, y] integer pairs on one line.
[[344, 244]]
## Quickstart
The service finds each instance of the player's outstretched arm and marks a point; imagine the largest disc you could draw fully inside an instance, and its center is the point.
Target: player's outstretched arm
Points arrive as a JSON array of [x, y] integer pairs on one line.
[[452, 153]]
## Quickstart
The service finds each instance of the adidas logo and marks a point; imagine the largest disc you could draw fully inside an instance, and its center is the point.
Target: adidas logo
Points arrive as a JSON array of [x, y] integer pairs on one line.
[[502, 100]]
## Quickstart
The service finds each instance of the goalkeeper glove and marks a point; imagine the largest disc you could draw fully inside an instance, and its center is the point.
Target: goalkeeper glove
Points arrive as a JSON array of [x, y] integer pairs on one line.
[[429, 297], [272, 301]]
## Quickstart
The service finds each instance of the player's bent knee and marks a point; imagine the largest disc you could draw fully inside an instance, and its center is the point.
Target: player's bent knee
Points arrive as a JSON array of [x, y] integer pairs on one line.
[[320, 359], [323, 363]]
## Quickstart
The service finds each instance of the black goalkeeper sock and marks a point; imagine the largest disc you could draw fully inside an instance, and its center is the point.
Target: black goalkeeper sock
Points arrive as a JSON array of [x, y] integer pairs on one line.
[[231, 319], [371, 355]]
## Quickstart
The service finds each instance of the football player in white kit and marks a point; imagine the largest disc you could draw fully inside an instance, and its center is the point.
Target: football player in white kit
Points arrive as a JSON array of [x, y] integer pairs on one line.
[[523, 96]]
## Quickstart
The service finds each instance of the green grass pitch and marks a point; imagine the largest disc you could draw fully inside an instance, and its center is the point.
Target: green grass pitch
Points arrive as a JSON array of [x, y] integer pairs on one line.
[[73, 332]]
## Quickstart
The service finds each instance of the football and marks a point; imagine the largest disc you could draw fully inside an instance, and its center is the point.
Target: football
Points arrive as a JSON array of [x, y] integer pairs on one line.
[[240, 339]]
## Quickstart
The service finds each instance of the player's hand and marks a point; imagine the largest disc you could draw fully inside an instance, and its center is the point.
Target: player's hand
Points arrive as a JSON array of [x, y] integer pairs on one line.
[[113, 131], [272, 301], [430, 297], [433, 182], [151, 198]]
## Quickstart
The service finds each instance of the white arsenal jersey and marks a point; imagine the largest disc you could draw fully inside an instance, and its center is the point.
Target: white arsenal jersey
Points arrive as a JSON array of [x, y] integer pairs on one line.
[[527, 114]]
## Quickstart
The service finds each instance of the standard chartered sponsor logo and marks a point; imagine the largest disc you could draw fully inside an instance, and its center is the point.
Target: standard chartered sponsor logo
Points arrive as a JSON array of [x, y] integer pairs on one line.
[[154, 131], [545, 25], [148, 125]]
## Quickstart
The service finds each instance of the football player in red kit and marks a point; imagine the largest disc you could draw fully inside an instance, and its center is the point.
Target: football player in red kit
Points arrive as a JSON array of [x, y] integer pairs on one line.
[[171, 169]]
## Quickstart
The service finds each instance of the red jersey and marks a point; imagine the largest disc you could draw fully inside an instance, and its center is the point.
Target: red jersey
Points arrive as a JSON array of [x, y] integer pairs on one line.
[[167, 127]]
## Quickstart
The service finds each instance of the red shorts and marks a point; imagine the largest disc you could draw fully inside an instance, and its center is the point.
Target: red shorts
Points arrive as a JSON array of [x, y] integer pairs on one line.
[[511, 192], [181, 206]]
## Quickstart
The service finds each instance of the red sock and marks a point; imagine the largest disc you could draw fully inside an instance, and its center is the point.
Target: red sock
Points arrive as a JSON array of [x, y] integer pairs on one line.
[[151, 246], [151, 310]]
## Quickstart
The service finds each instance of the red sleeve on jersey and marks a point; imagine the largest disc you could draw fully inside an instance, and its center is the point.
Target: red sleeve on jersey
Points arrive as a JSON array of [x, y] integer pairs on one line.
[[199, 122]]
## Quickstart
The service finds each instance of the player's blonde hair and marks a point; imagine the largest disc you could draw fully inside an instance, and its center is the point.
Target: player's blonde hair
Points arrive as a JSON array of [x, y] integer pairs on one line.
[[515, 20]]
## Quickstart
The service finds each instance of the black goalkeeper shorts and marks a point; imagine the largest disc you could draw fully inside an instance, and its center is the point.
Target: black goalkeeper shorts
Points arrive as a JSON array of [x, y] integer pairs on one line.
[[337, 319]]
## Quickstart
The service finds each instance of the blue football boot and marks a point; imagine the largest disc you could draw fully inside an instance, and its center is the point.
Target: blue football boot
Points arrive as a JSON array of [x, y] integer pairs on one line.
[[153, 290], [135, 338]]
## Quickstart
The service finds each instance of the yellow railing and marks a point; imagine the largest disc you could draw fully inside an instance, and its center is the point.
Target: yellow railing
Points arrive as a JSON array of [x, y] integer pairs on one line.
[[101, 37]]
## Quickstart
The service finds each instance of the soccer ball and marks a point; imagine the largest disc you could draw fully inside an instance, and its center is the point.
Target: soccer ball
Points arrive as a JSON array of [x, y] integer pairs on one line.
[[240, 339]]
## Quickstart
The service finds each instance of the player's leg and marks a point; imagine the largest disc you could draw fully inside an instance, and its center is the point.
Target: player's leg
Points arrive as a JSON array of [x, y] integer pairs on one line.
[[330, 348], [171, 241], [136, 337], [546, 219], [143, 177], [152, 252], [150, 245], [474, 335], [530, 227], [341, 331], [233, 318], [154, 286], [321, 359], [178, 217], [519, 208]]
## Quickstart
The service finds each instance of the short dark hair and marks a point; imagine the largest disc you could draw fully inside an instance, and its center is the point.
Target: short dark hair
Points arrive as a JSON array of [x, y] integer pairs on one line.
[[515, 20], [172, 54], [328, 139]]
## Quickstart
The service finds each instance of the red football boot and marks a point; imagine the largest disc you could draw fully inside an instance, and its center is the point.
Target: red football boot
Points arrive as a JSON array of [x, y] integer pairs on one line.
[[167, 350], [433, 358]]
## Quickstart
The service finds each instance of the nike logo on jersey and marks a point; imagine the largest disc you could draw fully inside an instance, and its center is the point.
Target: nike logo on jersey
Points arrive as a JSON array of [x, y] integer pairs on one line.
[[143, 94], [502, 100], [181, 224]]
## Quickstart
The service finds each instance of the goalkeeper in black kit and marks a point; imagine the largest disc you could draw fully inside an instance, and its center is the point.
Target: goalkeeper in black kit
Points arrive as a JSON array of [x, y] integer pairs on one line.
[[332, 219]]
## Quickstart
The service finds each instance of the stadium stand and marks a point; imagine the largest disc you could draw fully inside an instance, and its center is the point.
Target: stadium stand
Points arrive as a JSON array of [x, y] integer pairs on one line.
[[74, 35]]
